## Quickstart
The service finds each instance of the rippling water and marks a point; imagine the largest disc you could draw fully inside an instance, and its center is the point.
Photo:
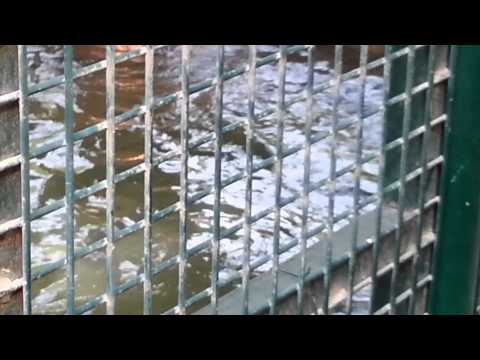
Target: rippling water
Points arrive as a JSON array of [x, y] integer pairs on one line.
[[47, 177]]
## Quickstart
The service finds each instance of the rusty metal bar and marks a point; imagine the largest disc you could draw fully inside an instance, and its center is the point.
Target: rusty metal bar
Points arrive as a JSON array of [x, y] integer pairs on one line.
[[147, 187], [110, 174], [69, 178], [215, 247], [282, 72], [432, 57], [306, 176], [357, 173], [151, 215], [25, 181], [183, 216], [81, 193], [332, 179], [381, 171], [247, 229], [403, 172]]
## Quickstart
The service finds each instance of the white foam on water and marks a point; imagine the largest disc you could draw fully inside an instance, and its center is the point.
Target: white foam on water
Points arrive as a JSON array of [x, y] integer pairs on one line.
[[127, 270]]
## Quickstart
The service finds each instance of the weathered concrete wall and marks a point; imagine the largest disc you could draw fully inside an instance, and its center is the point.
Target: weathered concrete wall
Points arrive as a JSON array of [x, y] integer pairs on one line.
[[10, 196], [261, 286]]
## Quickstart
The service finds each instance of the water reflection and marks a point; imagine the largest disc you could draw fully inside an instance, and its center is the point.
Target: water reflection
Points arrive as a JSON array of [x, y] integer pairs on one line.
[[46, 119]]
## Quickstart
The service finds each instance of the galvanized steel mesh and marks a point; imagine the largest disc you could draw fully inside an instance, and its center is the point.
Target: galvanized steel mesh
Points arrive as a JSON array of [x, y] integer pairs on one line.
[[423, 74]]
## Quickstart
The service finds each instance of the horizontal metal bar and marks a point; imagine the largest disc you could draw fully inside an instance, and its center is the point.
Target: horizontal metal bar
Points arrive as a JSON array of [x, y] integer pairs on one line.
[[9, 97], [10, 162], [140, 168], [10, 225], [266, 258], [409, 254], [417, 172], [405, 257], [228, 75], [405, 295], [394, 55], [101, 65], [259, 262], [440, 76], [135, 281], [286, 247], [417, 132], [165, 265], [59, 204], [89, 69], [340, 261], [91, 304], [139, 110], [159, 214], [98, 187], [82, 193], [351, 75], [314, 275]]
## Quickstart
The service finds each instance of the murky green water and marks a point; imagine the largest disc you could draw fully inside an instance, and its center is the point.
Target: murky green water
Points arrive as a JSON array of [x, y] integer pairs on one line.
[[47, 178]]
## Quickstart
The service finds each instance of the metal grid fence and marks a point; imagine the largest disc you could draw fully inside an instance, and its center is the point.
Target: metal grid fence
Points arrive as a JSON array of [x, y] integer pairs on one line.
[[416, 83]]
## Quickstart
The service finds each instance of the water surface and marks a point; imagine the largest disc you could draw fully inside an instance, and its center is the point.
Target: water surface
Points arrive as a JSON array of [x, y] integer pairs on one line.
[[47, 172]]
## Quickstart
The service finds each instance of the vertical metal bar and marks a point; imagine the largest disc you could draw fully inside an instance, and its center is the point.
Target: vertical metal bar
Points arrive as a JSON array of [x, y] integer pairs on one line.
[[332, 178], [110, 137], [423, 176], [217, 184], [306, 178], [403, 172], [147, 187], [456, 263], [25, 176], [357, 175], [282, 70], [69, 177], [387, 68], [183, 177], [252, 74]]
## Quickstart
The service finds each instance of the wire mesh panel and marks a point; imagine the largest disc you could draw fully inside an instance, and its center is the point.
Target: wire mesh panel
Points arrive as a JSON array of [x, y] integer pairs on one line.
[[276, 179]]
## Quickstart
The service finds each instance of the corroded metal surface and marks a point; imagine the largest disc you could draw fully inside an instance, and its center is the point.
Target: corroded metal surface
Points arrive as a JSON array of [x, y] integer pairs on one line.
[[326, 107], [315, 293], [10, 194]]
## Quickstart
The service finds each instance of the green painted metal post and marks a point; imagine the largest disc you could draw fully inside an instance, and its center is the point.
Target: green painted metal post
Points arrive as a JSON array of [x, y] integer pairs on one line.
[[458, 249]]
